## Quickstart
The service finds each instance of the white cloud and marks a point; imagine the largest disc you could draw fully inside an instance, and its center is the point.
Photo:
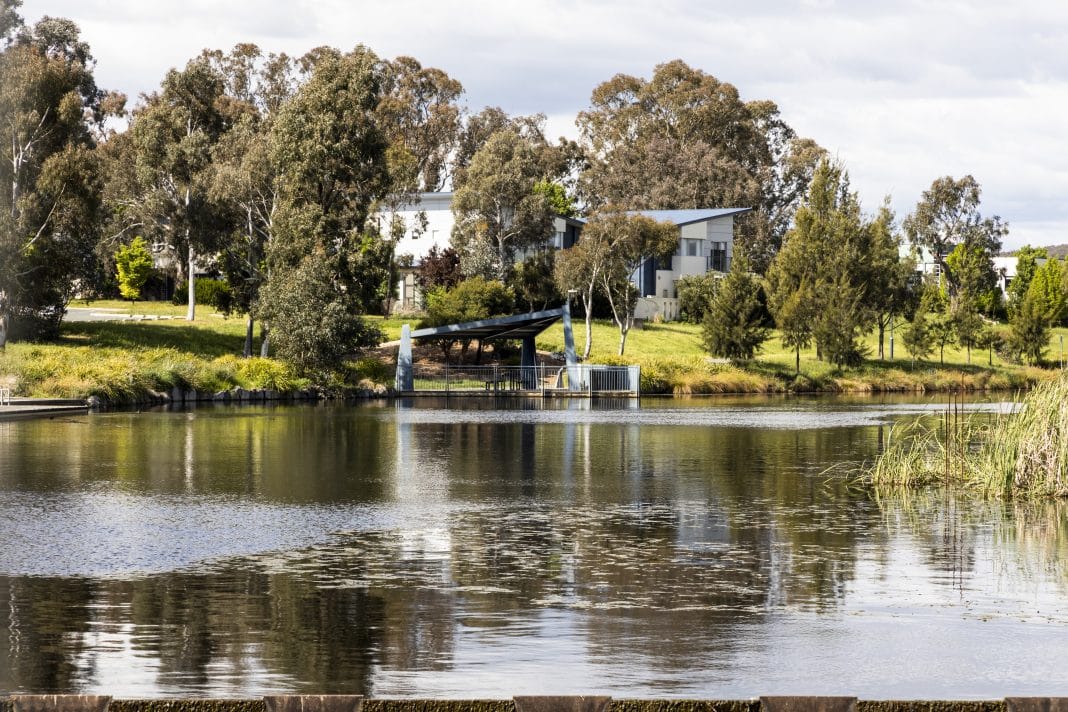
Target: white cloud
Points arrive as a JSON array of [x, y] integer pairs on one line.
[[903, 91]]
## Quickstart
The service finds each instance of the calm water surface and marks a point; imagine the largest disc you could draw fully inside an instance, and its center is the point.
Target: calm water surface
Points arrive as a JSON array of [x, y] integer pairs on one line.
[[684, 548]]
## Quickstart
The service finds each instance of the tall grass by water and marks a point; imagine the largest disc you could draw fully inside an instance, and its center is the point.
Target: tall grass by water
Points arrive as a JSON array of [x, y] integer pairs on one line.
[[1019, 454]]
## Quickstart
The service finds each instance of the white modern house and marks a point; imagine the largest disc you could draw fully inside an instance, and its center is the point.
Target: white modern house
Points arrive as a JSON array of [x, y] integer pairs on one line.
[[706, 244], [1004, 266]]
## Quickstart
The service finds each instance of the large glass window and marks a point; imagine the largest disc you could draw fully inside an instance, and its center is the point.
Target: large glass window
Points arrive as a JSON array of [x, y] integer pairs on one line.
[[718, 259]]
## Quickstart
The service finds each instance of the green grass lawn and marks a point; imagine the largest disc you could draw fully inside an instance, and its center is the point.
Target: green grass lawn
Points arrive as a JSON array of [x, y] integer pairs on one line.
[[125, 360], [673, 356]]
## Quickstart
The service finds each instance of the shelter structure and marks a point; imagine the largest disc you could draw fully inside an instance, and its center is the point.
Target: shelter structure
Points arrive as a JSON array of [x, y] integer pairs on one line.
[[527, 377]]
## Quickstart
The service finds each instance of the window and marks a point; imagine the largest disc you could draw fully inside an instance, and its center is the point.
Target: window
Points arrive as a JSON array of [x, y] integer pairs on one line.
[[693, 248], [717, 261]]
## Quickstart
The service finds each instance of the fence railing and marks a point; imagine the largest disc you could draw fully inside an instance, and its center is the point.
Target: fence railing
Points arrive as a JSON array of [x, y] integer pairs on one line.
[[547, 380]]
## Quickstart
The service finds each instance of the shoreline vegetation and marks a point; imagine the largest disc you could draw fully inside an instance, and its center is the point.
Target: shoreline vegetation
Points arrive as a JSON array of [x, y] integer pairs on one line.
[[1022, 454], [137, 362]]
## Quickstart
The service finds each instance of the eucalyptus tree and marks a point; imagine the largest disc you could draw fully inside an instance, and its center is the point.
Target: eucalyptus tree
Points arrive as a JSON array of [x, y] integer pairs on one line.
[[578, 270], [946, 216], [166, 193], [627, 241], [421, 117], [614, 244], [498, 210], [244, 181], [330, 154], [50, 210], [684, 139]]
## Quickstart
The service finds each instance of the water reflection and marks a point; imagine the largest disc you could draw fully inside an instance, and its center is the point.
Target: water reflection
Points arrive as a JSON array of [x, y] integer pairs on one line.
[[468, 552]]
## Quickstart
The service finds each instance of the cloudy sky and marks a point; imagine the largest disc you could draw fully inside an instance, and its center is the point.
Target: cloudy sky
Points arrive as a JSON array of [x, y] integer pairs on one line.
[[902, 91]]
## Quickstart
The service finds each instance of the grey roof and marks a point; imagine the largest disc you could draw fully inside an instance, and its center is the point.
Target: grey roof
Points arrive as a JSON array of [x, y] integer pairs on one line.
[[504, 327], [685, 217]]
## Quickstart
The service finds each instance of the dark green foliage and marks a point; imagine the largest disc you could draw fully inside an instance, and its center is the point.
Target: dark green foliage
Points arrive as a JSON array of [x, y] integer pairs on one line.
[[917, 337], [1030, 327], [215, 293], [330, 155], [373, 267], [967, 327], [133, 264], [943, 332], [837, 329], [470, 300], [684, 139], [498, 211], [695, 296], [989, 339], [533, 284], [976, 281], [732, 326], [796, 319], [50, 209], [314, 324], [947, 217], [838, 274]]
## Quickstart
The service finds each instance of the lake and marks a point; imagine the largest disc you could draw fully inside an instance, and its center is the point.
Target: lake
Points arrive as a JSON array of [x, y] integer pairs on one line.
[[677, 548]]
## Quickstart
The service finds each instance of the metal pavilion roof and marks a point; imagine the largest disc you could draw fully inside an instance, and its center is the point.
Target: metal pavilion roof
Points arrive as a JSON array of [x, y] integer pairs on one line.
[[685, 217], [506, 327]]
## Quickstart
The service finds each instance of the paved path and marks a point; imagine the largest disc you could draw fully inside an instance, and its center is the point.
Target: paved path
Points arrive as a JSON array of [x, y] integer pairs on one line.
[[88, 314]]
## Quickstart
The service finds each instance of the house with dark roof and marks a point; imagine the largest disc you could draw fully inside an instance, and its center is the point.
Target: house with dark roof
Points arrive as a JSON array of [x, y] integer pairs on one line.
[[706, 244]]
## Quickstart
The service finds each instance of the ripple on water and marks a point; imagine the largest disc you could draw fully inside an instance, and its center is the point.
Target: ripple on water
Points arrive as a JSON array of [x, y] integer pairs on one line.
[[111, 533], [801, 416]]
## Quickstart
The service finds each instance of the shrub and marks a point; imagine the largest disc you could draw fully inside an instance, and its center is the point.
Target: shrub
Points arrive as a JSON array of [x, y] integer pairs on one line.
[[213, 292], [696, 293], [314, 325]]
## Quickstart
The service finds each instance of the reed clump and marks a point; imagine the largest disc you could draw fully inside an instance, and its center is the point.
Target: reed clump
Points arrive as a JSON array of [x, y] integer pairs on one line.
[[1022, 454]]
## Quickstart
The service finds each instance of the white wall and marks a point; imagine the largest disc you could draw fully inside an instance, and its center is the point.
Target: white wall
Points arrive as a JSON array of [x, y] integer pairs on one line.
[[438, 211], [708, 232]]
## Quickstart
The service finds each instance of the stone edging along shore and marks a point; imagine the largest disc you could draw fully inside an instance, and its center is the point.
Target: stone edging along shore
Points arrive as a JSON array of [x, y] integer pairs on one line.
[[179, 396], [354, 703]]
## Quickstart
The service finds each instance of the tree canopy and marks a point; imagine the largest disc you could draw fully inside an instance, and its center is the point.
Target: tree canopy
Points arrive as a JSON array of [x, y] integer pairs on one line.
[[50, 207], [685, 139]]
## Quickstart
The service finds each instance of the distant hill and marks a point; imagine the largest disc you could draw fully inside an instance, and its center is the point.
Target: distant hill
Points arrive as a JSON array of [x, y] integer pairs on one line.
[[1058, 251]]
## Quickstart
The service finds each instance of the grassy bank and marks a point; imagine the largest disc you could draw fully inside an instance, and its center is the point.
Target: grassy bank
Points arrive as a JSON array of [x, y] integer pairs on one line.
[[674, 361], [128, 362], [1023, 454], [125, 362]]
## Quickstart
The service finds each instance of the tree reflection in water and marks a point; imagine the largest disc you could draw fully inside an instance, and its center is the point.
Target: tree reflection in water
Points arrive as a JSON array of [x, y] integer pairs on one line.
[[446, 543]]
